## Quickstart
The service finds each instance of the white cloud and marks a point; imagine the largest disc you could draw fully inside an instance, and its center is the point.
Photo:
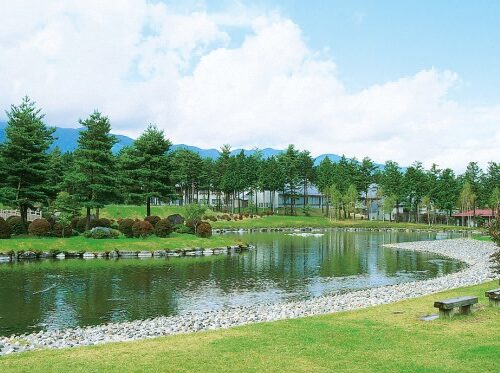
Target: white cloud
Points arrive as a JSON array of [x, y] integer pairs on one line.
[[141, 62]]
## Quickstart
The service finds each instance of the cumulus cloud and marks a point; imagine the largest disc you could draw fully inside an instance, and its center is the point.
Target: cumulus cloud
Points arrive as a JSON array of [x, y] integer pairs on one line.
[[141, 62]]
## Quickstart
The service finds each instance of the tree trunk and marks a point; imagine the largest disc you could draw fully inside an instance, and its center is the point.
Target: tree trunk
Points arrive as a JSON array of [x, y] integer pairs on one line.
[[148, 206], [97, 212], [87, 222]]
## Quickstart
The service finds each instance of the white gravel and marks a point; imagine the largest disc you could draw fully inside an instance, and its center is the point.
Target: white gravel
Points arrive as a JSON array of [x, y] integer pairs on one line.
[[474, 253]]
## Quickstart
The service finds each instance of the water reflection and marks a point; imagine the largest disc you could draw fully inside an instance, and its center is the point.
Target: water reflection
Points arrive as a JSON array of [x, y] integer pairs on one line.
[[282, 267]]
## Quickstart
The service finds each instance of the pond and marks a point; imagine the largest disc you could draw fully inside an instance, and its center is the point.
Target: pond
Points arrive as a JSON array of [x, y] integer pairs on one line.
[[51, 294]]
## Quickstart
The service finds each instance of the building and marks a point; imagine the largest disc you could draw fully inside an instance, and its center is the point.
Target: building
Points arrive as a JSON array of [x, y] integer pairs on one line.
[[473, 218]]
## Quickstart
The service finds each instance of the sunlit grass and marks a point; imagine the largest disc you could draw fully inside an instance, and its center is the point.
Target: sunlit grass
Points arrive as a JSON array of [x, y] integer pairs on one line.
[[388, 338]]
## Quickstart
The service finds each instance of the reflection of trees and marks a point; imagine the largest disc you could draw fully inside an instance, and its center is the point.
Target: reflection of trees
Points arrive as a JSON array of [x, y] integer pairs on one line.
[[92, 292]]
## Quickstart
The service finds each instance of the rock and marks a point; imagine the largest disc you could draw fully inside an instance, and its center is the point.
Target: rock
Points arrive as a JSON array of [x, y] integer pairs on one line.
[[160, 253], [145, 254], [88, 255], [61, 256]]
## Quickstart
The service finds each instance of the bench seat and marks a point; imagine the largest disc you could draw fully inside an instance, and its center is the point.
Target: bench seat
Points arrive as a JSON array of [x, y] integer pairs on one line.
[[447, 306]]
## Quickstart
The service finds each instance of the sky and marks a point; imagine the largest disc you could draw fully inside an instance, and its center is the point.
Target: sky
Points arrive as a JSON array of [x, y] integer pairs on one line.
[[406, 81]]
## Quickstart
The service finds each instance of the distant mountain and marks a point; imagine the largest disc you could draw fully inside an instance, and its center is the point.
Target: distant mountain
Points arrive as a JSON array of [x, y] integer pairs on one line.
[[67, 141]]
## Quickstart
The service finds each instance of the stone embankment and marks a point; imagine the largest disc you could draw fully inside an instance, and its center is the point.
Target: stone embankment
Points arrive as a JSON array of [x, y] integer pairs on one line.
[[474, 253], [115, 254]]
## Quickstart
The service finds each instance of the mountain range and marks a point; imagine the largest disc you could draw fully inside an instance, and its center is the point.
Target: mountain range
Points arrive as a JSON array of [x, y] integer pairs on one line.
[[67, 141]]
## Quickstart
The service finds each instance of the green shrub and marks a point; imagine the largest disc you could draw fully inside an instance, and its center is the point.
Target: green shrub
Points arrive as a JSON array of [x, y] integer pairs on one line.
[[163, 228], [175, 219], [182, 229], [39, 228], [81, 225], [61, 230], [191, 225], [125, 226], [142, 229], [99, 233], [4, 229], [153, 219], [16, 225], [102, 222], [74, 222], [204, 230]]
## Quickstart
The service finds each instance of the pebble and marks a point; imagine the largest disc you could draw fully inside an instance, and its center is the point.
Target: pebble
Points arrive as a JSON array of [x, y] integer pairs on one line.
[[474, 253]]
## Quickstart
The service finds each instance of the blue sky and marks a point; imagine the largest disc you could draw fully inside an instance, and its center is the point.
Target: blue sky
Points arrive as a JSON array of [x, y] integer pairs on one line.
[[399, 80]]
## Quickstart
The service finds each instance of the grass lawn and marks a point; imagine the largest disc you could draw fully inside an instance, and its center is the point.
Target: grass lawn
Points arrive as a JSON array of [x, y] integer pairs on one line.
[[280, 221], [80, 243], [482, 238], [388, 338]]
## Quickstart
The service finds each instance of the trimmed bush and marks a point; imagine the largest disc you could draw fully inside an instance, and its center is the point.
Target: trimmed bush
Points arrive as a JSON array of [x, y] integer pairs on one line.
[[175, 219], [99, 233], [153, 219], [204, 230], [16, 225], [102, 222], [163, 228], [142, 229], [58, 229], [81, 225], [39, 228], [190, 224], [125, 226], [4, 229]]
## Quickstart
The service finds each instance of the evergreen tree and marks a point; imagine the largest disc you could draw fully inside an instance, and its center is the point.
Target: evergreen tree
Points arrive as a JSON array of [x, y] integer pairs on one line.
[[306, 171], [391, 179], [147, 168], [24, 161], [289, 162], [93, 177]]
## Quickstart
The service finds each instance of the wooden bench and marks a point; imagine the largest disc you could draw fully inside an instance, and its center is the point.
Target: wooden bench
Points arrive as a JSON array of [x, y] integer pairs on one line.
[[446, 307], [494, 297]]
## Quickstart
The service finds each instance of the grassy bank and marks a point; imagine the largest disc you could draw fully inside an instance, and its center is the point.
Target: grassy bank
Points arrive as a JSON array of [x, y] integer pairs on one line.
[[280, 221], [80, 243], [388, 338]]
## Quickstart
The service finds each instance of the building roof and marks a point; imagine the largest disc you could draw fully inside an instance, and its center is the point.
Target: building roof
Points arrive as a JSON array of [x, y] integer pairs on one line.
[[479, 212]]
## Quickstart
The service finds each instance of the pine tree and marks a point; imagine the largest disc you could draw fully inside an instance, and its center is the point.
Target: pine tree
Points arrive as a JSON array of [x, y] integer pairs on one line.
[[24, 160], [93, 178], [146, 167]]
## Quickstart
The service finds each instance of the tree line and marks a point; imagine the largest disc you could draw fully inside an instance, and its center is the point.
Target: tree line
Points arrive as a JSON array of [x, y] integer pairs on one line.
[[93, 176]]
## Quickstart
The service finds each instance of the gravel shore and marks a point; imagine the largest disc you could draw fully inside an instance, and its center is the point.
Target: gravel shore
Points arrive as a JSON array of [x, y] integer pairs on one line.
[[474, 253]]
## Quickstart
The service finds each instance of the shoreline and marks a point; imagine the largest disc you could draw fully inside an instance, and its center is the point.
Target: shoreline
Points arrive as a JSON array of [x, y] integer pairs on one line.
[[474, 253]]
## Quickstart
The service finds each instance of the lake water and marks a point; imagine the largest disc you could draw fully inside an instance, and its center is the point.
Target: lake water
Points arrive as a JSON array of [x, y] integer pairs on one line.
[[281, 268]]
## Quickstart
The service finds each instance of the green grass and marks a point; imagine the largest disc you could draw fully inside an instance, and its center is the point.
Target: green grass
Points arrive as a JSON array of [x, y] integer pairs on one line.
[[482, 238], [80, 243], [139, 212], [388, 338], [280, 221]]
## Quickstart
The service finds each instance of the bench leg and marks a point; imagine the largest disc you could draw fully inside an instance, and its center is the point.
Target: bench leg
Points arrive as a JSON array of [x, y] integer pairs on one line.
[[445, 313], [466, 310], [494, 302]]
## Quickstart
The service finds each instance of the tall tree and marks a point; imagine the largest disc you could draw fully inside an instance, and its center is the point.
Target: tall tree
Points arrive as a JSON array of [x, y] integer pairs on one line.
[[391, 180], [306, 170], [24, 161], [415, 186], [93, 177], [147, 168], [289, 162], [366, 172]]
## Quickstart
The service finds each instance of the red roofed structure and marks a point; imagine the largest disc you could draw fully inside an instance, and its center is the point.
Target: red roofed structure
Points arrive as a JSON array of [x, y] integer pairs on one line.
[[467, 217]]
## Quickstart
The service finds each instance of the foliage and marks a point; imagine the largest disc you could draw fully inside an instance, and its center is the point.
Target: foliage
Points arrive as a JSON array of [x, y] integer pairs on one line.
[[145, 168], [175, 219], [163, 228], [142, 229], [39, 228], [153, 219], [24, 161], [102, 222], [99, 233], [17, 226], [62, 230], [67, 204], [5, 231], [494, 231], [182, 229], [204, 229], [93, 177], [125, 226], [194, 214]]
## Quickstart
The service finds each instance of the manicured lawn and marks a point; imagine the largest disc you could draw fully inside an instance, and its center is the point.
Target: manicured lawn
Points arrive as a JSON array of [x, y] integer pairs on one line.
[[280, 221], [388, 338], [482, 238], [139, 212], [80, 243]]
